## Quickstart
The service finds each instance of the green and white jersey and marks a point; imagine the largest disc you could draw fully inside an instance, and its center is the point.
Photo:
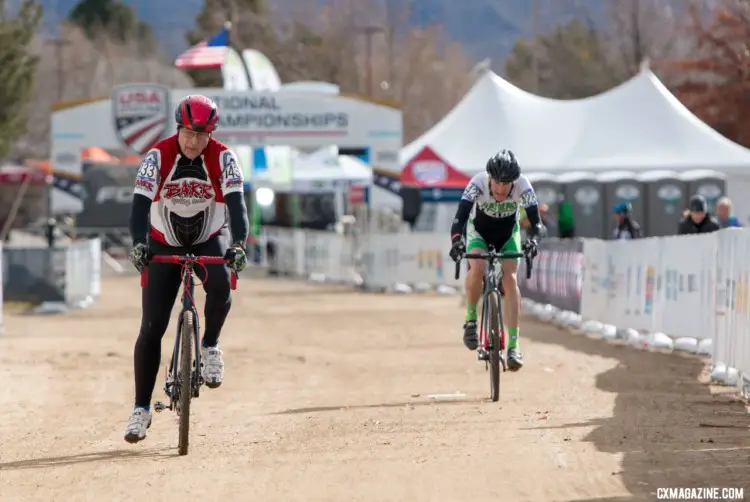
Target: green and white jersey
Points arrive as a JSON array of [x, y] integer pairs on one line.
[[491, 216]]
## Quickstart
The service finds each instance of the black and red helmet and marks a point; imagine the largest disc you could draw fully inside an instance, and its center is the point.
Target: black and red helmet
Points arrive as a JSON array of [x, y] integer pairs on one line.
[[197, 112]]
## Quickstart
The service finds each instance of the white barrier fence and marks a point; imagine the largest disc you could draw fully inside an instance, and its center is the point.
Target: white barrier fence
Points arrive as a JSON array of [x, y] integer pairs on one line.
[[373, 261], [689, 293], [56, 280], [83, 273]]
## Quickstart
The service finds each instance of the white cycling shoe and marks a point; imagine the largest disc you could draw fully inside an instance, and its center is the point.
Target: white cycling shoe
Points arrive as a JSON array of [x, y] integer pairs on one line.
[[138, 424], [212, 366]]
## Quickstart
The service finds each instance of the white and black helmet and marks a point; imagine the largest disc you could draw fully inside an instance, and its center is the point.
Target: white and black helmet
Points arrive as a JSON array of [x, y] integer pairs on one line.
[[503, 167]]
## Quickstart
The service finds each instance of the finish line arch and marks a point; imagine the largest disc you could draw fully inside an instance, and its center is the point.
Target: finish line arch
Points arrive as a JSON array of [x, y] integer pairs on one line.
[[136, 116]]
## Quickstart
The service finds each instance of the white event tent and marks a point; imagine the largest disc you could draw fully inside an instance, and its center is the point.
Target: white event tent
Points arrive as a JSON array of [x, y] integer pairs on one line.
[[326, 170], [638, 125]]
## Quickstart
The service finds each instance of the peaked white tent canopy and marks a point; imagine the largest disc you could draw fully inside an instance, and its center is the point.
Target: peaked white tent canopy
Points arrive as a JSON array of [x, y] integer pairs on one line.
[[325, 169], [638, 125]]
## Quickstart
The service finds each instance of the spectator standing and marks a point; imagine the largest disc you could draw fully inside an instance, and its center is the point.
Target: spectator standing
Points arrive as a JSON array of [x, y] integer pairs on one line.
[[548, 219], [566, 221], [698, 220], [626, 227], [724, 214]]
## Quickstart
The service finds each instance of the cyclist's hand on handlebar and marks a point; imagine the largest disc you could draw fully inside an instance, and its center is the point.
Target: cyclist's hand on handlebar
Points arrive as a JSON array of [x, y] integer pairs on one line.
[[530, 248], [236, 258], [138, 256], [458, 248]]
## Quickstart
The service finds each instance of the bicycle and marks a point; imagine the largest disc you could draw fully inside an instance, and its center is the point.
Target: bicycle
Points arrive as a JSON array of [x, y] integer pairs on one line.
[[184, 379], [491, 349]]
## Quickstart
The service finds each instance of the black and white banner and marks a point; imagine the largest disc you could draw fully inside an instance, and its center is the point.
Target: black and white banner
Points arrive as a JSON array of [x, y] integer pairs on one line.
[[108, 195]]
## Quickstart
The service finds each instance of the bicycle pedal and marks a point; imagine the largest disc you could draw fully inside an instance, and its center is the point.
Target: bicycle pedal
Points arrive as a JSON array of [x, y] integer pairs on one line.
[[159, 407]]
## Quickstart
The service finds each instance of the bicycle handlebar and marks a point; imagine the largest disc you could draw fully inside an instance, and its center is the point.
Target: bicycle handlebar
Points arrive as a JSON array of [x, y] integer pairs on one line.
[[494, 255], [184, 260], [176, 258]]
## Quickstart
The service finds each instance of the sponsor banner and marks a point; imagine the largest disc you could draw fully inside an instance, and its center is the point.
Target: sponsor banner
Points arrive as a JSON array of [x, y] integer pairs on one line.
[[108, 193], [556, 277], [262, 72], [652, 284]]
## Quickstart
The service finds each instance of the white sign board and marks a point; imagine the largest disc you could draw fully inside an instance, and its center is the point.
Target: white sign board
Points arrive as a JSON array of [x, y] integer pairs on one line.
[[138, 115]]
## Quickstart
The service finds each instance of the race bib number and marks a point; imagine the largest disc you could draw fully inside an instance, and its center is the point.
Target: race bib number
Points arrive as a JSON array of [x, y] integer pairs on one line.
[[147, 178], [472, 192], [231, 173], [528, 198]]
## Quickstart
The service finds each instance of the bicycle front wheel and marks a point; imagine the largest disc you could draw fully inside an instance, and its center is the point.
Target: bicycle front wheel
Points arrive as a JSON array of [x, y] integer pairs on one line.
[[493, 330], [185, 379]]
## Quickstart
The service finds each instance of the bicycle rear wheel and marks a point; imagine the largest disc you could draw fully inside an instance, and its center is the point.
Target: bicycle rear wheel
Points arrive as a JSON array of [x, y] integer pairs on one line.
[[185, 379], [493, 332]]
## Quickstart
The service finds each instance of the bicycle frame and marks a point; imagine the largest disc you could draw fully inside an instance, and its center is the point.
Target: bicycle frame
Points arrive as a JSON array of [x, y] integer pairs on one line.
[[490, 285], [188, 262], [492, 331]]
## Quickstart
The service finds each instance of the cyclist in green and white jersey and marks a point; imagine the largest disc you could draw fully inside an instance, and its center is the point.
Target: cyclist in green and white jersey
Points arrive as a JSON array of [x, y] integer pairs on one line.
[[489, 211]]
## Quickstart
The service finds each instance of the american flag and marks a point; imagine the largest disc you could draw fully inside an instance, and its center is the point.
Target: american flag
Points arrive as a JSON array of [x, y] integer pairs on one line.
[[206, 54]]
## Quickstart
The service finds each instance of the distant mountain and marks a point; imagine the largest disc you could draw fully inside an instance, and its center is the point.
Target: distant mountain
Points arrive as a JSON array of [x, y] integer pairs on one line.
[[488, 28]]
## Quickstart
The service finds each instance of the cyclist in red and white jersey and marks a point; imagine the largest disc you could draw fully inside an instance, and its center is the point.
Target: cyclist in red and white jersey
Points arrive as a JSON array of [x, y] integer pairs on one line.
[[186, 187]]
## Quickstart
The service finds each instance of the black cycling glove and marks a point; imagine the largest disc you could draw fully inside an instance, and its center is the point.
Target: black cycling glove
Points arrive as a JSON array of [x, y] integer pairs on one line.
[[138, 256], [530, 247], [236, 257], [458, 248]]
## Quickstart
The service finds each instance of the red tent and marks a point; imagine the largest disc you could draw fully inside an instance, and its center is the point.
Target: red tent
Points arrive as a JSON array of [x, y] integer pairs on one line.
[[428, 170], [17, 175]]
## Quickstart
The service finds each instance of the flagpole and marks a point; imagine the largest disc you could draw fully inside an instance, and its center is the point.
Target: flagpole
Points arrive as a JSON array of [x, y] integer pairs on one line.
[[254, 207], [234, 46]]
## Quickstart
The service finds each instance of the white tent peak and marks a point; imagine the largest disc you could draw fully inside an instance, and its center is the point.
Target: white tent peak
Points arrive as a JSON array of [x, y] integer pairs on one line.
[[637, 125]]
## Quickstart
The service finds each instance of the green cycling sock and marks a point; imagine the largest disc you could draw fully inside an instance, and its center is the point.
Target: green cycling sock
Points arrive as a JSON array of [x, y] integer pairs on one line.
[[471, 311], [513, 337]]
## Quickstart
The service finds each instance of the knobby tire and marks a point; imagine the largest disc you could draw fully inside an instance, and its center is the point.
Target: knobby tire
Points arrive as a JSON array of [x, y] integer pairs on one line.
[[185, 379], [493, 306]]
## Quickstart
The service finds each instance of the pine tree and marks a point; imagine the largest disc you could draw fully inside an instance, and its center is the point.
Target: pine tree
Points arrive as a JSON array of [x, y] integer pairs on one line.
[[571, 61], [17, 70], [113, 18]]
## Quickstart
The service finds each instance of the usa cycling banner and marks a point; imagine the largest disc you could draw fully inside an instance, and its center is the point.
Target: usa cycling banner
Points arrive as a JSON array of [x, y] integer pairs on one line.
[[557, 274]]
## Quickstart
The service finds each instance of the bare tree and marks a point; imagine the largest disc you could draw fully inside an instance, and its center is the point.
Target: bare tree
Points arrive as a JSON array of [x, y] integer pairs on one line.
[[714, 80], [645, 30], [87, 69], [420, 68]]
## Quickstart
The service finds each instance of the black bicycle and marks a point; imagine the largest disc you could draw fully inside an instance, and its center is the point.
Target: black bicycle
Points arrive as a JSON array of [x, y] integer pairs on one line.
[[184, 378], [492, 348]]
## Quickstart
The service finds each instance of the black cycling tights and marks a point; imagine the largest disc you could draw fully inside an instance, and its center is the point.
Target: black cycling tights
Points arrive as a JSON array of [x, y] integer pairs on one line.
[[158, 298]]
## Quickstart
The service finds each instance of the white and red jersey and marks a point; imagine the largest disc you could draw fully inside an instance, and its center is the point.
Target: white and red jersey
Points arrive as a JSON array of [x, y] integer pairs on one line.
[[188, 195]]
